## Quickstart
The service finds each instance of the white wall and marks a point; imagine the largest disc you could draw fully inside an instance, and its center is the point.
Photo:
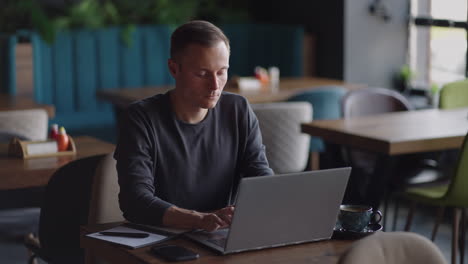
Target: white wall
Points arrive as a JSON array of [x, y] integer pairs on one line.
[[374, 49]]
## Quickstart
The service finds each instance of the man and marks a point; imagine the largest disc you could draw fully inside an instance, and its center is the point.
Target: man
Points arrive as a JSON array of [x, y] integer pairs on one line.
[[180, 155]]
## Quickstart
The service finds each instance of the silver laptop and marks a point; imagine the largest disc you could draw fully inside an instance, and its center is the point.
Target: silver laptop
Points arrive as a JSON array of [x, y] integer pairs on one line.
[[280, 210]]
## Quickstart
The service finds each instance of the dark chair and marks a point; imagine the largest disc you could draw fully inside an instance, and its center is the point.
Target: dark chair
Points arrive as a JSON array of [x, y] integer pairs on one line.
[[66, 207]]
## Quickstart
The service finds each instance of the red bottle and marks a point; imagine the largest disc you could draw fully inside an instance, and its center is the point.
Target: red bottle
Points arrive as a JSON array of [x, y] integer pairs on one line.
[[53, 131]]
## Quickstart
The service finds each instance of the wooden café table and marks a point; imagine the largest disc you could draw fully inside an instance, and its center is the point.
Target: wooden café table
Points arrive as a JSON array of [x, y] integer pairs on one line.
[[325, 252], [16, 173], [9, 103], [393, 134], [121, 98]]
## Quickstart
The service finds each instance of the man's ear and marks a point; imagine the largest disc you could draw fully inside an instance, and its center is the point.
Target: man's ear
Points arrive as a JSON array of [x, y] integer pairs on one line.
[[173, 67]]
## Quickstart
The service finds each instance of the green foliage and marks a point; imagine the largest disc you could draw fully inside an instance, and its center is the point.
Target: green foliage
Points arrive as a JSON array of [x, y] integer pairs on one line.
[[16, 15], [94, 14], [234, 11], [406, 74], [434, 89]]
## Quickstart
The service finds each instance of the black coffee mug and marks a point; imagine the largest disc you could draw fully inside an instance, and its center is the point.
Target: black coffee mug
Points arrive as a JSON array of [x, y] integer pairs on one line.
[[356, 218]]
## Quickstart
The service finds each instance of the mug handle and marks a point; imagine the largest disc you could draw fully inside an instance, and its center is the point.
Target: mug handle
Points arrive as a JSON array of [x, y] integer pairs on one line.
[[376, 212]]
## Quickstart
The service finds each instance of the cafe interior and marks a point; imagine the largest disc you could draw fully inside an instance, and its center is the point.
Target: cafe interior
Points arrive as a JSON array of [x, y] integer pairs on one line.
[[376, 85]]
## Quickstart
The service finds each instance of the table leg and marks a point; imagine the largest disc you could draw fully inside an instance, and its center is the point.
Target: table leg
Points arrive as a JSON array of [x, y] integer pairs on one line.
[[379, 181]]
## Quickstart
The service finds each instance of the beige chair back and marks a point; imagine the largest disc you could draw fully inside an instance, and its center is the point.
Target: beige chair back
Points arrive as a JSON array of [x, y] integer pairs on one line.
[[287, 149], [393, 247], [29, 124], [104, 205]]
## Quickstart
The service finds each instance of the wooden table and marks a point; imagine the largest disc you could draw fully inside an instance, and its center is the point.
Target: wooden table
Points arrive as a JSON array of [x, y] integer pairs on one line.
[[394, 134], [121, 98], [16, 173], [8, 103], [288, 86], [315, 252]]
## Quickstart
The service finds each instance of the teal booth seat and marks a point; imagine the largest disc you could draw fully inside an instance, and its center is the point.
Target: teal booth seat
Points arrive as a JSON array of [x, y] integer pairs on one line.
[[79, 63], [326, 104], [70, 71]]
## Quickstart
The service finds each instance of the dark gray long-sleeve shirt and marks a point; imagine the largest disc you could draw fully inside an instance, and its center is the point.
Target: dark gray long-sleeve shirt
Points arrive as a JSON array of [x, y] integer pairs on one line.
[[162, 161]]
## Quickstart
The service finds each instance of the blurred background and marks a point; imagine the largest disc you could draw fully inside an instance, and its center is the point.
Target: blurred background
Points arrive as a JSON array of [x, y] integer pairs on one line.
[[61, 52], [64, 53]]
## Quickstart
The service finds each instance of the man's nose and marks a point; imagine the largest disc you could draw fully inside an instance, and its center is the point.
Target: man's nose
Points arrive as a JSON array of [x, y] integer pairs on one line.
[[214, 83]]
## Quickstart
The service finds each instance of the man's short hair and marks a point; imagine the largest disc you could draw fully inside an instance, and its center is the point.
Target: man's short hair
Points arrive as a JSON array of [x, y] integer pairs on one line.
[[196, 32]]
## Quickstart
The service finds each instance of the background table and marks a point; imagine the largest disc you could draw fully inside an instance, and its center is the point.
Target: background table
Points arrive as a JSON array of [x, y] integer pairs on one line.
[[16, 173], [8, 103], [394, 134], [288, 86], [315, 252]]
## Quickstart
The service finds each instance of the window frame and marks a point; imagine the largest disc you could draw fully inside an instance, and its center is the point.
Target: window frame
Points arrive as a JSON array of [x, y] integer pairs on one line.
[[428, 21]]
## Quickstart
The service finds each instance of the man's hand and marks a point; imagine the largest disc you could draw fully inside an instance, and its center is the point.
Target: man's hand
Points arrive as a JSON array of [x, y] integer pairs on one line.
[[182, 218], [216, 220], [225, 214]]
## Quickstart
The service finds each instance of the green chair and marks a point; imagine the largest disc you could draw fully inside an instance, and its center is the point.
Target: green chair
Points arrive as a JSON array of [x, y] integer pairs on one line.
[[452, 195], [454, 95]]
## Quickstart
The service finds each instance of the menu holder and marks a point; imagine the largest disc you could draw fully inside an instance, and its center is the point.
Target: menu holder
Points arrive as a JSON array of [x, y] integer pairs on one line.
[[39, 149]]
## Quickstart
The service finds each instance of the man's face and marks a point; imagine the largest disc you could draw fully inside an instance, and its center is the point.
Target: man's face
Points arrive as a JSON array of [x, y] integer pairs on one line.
[[200, 73]]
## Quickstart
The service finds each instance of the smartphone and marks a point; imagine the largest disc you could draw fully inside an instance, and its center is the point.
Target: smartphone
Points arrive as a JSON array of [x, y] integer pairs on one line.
[[174, 253]]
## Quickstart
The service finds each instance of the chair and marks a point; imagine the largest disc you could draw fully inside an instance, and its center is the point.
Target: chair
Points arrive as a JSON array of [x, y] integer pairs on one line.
[[356, 103], [104, 205], [280, 125], [370, 101], [454, 95], [393, 247], [411, 169], [19, 209], [364, 102], [453, 195], [82, 192], [27, 124], [325, 101]]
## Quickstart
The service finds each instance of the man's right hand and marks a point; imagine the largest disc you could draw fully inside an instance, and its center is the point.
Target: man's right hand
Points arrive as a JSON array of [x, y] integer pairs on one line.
[[181, 218], [210, 222], [217, 219]]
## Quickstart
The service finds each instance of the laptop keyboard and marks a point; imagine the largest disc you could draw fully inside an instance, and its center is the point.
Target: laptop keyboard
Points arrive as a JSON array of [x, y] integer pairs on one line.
[[219, 242]]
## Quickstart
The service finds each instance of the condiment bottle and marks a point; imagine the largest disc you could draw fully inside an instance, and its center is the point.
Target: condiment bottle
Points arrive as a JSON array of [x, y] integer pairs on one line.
[[53, 131], [62, 140]]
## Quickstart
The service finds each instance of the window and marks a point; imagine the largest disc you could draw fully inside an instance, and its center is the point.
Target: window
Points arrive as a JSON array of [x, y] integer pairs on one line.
[[438, 41]]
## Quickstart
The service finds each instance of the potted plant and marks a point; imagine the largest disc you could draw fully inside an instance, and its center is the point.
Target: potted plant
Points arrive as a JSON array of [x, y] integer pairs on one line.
[[433, 95], [403, 78]]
